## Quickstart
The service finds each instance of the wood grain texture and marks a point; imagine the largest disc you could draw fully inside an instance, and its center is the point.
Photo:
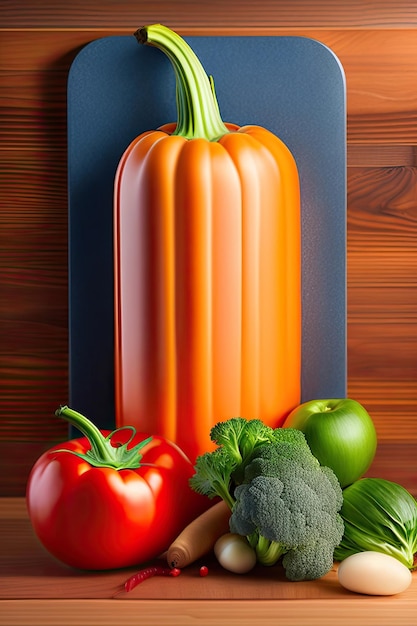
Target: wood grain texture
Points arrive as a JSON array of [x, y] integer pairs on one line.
[[380, 68], [382, 296], [36, 590], [377, 46], [368, 155], [208, 612], [214, 14]]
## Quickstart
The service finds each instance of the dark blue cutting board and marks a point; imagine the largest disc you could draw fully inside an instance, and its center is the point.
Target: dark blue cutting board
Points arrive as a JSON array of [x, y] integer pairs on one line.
[[295, 87]]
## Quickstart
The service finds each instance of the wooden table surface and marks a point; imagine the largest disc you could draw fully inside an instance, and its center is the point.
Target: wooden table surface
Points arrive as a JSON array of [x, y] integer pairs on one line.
[[35, 589]]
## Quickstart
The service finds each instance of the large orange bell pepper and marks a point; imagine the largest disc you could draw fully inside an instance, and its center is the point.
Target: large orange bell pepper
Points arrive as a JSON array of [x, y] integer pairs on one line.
[[207, 268]]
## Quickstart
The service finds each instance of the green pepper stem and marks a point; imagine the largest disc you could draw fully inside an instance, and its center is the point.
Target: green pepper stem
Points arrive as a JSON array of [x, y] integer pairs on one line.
[[197, 108], [102, 452], [88, 429]]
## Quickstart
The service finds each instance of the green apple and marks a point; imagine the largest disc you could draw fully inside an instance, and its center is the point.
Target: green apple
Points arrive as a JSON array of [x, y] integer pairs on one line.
[[340, 433]]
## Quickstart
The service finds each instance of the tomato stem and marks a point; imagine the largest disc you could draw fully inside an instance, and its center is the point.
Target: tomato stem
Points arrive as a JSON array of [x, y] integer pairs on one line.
[[197, 108], [102, 452]]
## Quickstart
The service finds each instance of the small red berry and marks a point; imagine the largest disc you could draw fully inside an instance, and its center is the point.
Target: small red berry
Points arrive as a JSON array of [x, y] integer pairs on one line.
[[175, 571], [204, 570]]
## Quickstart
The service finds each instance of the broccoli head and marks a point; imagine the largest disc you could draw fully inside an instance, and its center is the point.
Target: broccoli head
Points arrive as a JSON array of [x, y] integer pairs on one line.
[[281, 498], [288, 505]]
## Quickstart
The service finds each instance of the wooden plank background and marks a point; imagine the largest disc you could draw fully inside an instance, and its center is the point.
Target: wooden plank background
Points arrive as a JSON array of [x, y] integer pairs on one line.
[[377, 45]]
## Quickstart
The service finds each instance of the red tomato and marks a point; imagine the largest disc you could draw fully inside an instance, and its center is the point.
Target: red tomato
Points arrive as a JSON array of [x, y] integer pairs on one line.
[[100, 517]]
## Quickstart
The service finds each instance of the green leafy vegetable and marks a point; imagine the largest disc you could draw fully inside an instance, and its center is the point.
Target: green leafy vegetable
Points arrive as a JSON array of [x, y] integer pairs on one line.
[[282, 500], [381, 516], [219, 471]]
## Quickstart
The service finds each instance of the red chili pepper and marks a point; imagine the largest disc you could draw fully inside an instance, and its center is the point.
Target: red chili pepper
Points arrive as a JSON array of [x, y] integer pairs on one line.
[[148, 572]]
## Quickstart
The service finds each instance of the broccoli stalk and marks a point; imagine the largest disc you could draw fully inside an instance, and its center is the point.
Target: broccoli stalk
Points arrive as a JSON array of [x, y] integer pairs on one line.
[[281, 499], [267, 552]]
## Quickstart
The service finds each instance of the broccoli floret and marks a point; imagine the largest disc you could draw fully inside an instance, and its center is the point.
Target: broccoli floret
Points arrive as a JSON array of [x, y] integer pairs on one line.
[[288, 505], [213, 475], [241, 437], [308, 562], [217, 473]]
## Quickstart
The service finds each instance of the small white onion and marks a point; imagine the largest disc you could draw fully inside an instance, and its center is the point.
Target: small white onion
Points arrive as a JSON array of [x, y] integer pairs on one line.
[[234, 553], [374, 573]]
